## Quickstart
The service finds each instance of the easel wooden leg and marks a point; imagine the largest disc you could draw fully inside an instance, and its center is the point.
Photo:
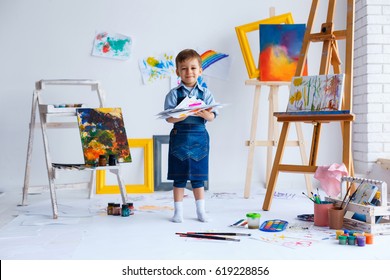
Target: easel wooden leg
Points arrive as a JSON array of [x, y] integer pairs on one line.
[[273, 137], [347, 138], [252, 140], [304, 159], [30, 147], [275, 168], [315, 143], [49, 167], [273, 131], [92, 183], [121, 183]]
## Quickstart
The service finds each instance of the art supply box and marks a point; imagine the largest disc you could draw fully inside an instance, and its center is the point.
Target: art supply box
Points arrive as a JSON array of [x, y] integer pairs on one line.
[[377, 218]]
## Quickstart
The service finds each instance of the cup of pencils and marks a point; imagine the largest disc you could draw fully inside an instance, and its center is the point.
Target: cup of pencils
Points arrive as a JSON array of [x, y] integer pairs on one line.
[[321, 208]]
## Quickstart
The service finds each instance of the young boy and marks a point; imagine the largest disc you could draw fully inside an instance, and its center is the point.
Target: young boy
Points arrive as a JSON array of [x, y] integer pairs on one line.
[[188, 157]]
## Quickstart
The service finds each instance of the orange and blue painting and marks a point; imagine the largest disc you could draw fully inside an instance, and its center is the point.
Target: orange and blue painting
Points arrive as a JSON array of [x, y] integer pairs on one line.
[[280, 46], [316, 93], [103, 132]]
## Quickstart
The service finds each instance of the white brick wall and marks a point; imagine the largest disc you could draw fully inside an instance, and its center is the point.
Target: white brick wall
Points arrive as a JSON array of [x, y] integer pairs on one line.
[[371, 130]]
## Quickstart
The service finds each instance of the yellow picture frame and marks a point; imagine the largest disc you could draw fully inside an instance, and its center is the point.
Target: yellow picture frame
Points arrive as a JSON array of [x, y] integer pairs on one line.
[[148, 184], [253, 71]]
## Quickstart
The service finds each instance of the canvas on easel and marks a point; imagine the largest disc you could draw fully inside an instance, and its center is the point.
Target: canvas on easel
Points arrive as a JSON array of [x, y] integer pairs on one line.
[[316, 93], [103, 132], [280, 46]]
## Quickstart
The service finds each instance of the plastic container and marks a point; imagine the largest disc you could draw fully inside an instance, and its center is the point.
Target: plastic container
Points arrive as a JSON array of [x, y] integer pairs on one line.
[[369, 238], [111, 160], [110, 208], [102, 160], [361, 240], [338, 233], [125, 210], [342, 239], [351, 240], [253, 220]]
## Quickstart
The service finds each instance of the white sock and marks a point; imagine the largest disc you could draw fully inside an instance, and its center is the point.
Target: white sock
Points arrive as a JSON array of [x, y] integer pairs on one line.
[[200, 210], [178, 215]]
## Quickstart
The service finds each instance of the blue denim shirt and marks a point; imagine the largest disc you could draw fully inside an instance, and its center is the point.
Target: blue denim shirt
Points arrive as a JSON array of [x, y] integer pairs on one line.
[[177, 94]]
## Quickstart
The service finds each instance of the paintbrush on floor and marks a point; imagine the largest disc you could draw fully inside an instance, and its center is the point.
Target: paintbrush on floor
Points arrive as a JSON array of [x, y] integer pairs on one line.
[[218, 233], [206, 236]]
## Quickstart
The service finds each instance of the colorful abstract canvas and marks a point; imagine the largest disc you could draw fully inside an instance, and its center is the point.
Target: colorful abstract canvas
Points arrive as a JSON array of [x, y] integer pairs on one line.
[[280, 46], [103, 132], [316, 93], [112, 45]]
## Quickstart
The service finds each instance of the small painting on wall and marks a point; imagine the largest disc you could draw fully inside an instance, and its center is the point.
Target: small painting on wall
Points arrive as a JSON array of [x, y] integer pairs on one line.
[[111, 45], [280, 46], [154, 68], [316, 93], [103, 132]]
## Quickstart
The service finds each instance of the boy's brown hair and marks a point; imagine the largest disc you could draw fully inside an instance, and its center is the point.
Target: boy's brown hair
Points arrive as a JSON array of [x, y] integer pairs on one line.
[[188, 54]]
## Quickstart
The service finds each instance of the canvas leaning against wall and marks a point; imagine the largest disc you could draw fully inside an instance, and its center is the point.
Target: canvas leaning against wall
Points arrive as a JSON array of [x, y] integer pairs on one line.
[[103, 132], [316, 93], [280, 46]]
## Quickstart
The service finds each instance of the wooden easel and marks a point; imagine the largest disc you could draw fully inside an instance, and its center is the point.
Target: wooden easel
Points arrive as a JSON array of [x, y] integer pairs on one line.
[[45, 116], [328, 36], [273, 129], [273, 132]]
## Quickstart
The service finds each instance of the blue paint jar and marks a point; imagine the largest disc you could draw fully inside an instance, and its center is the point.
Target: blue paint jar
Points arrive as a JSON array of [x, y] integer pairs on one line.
[[125, 210]]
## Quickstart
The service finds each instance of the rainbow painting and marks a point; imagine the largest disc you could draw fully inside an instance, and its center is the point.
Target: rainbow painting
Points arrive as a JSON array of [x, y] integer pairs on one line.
[[280, 46], [210, 57]]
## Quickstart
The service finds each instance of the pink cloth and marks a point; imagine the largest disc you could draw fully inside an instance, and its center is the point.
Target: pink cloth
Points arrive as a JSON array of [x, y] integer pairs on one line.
[[330, 178]]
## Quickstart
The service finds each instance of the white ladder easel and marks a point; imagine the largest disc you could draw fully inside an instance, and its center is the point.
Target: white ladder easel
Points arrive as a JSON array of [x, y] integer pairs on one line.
[[44, 114]]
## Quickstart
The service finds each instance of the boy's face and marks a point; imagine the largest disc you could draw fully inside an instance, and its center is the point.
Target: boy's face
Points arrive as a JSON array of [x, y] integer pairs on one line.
[[189, 71]]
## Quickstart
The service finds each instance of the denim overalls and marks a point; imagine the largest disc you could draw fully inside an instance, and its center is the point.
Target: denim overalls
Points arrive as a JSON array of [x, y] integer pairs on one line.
[[188, 157]]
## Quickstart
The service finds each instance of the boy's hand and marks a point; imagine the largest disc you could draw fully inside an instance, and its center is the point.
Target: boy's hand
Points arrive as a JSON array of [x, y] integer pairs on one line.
[[175, 120], [206, 114]]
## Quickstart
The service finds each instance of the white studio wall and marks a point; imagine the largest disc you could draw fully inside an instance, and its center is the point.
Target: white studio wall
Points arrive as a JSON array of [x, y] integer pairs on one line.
[[48, 39]]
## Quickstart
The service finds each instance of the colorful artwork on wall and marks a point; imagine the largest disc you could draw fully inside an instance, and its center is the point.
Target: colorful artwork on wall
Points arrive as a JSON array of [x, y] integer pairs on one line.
[[112, 45], [210, 57], [155, 68], [103, 132], [280, 46], [215, 64], [316, 93]]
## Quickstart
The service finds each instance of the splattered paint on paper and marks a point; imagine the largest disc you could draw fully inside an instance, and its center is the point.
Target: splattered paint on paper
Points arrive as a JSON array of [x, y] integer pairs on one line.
[[155, 68], [280, 46], [103, 132], [112, 45]]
